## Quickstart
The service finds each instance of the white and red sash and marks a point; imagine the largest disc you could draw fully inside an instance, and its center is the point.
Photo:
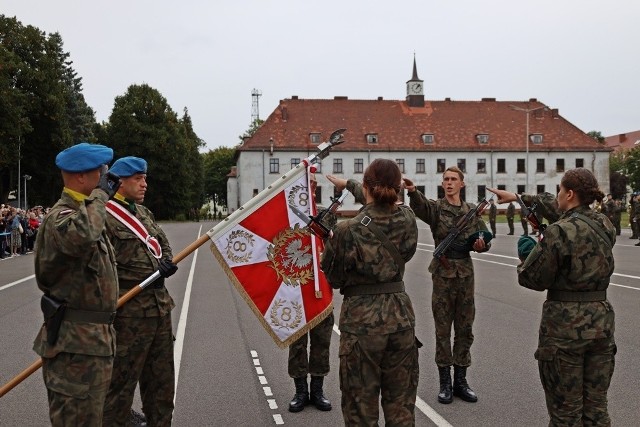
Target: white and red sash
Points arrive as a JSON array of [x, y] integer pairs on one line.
[[132, 223]]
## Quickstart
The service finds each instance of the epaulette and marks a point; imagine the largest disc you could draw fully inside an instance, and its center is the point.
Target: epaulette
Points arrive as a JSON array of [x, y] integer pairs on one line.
[[66, 212]]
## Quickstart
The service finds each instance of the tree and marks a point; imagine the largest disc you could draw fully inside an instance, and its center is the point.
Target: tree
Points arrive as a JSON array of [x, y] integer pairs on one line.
[[142, 124], [217, 165], [253, 128], [632, 163], [597, 136], [194, 191]]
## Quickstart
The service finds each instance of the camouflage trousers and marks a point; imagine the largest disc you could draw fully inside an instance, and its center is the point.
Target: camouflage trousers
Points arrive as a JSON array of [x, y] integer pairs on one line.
[[77, 385], [510, 222], [452, 303], [144, 353], [316, 362], [575, 375], [379, 365], [492, 223]]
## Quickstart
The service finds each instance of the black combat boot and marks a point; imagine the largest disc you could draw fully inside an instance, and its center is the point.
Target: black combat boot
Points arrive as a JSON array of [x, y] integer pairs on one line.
[[445, 395], [136, 419], [460, 387], [301, 398], [317, 397]]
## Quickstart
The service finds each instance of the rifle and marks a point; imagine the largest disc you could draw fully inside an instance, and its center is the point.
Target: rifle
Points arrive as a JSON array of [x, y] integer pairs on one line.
[[530, 214], [455, 232], [314, 222]]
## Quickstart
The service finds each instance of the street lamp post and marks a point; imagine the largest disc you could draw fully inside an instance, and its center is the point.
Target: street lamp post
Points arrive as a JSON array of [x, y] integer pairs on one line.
[[19, 198], [26, 178], [527, 137]]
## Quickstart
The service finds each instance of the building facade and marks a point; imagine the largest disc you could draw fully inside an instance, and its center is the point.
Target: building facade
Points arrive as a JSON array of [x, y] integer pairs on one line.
[[519, 146]]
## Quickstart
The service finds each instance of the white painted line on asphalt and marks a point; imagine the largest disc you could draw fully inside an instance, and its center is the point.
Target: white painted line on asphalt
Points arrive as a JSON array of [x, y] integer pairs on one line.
[[262, 379], [278, 419], [267, 391], [272, 404], [8, 285], [254, 353], [259, 371], [256, 362], [420, 404], [182, 321]]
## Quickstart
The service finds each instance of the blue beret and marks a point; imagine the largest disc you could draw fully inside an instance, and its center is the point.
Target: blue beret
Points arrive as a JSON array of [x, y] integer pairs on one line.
[[83, 157], [525, 246], [128, 166]]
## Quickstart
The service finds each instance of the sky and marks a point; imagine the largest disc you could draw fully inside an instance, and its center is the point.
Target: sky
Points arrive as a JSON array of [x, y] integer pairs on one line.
[[580, 56]]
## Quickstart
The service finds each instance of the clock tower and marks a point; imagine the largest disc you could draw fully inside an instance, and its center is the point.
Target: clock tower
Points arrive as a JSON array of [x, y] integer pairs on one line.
[[415, 89]]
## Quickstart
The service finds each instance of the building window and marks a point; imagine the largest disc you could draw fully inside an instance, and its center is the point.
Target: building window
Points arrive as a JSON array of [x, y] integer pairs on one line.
[[539, 165], [400, 163], [427, 138], [274, 165], [520, 166], [559, 165], [294, 162], [520, 189], [420, 166], [482, 192], [255, 192], [579, 163], [536, 138], [462, 165], [502, 187], [502, 166], [358, 166], [337, 165], [318, 167], [482, 166], [482, 138], [372, 138], [540, 189], [318, 195], [315, 138], [440, 192], [420, 188], [441, 165]]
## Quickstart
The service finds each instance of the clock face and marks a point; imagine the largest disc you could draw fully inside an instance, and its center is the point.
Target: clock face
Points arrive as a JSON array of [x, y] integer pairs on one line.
[[415, 88]]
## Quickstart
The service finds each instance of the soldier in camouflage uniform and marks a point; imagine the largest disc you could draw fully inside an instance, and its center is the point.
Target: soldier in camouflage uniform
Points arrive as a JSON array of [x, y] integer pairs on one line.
[[632, 214], [511, 213], [143, 325], [493, 214], [365, 259], [316, 361], [452, 300], [636, 215], [75, 265], [574, 263]]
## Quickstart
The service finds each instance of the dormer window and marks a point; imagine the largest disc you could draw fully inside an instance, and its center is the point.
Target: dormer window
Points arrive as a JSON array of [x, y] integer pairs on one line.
[[315, 138], [482, 138], [427, 138], [372, 138], [536, 138]]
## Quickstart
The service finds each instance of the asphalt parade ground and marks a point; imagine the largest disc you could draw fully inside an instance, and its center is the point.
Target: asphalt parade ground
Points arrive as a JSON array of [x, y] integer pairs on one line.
[[230, 372]]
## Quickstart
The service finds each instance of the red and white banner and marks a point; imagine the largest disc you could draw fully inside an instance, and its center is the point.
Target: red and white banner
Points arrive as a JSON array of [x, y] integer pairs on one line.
[[274, 261]]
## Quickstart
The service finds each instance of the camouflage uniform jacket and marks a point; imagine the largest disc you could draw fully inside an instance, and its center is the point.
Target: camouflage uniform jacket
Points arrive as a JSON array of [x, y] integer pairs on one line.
[[442, 217], [355, 256], [136, 263], [511, 211], [547, 206], [493, 212], [76, 264], [572, 256]]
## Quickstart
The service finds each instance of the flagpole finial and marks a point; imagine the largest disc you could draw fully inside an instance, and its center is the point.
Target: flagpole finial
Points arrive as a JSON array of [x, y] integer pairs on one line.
[[336, 138]]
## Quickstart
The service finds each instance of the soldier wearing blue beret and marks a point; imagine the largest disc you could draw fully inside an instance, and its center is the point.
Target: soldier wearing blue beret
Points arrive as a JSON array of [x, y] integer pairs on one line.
[[143, 325], [76, 271]]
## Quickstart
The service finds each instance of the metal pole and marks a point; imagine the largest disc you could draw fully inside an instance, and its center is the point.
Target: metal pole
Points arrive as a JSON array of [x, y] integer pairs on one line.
[[19, 176], [526, 187]]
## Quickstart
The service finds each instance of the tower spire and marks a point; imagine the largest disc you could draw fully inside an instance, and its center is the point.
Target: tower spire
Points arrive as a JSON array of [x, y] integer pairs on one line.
[[415, 68]]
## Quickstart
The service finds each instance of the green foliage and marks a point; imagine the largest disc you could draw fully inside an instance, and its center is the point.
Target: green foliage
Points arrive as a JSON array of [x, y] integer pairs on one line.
[[618, 185], [253, 127], [597, 135], [142, 124], [632, 163], [217, 165]]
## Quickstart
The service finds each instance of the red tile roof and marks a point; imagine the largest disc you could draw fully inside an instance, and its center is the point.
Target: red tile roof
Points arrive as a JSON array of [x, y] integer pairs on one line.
[[399, 127], [623, 141]]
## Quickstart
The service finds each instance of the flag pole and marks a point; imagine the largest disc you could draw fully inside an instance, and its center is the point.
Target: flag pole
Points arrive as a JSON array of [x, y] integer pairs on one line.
[[230, 221]]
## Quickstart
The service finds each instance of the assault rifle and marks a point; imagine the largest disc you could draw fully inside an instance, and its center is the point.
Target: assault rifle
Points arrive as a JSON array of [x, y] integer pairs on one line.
[[314, 222], [463, 222], [530, 214]]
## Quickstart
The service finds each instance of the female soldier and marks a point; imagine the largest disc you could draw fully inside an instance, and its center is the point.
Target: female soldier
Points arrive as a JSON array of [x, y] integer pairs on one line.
[[574, 262], [365, 259]]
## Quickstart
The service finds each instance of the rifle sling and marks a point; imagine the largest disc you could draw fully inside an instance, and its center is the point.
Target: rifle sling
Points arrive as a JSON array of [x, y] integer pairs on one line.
[[595, 226], [366, 221]]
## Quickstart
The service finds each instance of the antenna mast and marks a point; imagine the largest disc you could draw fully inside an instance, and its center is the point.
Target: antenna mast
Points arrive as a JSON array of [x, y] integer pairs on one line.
[[255, 105]]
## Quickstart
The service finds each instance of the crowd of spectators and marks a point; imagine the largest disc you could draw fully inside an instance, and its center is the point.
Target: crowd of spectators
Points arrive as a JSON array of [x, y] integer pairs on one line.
[[18, 230]]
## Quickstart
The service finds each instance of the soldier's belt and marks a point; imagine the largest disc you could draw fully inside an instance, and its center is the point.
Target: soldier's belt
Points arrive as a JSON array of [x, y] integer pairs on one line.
[[73, 315], [569, 296], [457, 254], [380, 288], [129, 284]]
